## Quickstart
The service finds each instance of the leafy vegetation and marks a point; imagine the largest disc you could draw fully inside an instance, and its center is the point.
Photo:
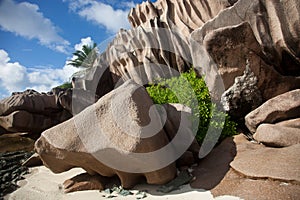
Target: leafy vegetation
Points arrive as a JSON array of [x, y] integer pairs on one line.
[[190, 90], [85, 57]]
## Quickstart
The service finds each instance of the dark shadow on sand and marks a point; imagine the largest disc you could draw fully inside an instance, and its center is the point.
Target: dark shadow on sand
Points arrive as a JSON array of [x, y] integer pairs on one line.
[[213, 168]]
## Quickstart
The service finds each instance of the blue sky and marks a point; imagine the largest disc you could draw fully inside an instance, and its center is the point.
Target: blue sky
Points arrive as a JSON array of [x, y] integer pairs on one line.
[[37, 37]]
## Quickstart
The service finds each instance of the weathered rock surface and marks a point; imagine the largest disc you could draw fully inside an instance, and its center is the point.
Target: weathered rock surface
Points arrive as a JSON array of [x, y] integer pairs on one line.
[[265, 162], [107, 138], [256, 31], [282, 107], [216, 37], [157, 42], [243, 96], [188, 15], [31, 112], [282, 134]]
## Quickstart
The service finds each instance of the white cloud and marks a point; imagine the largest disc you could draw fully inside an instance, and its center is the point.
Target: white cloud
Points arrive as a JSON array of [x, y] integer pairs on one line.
[[102, 14], [14, 77], [24, 19], [84, 41]]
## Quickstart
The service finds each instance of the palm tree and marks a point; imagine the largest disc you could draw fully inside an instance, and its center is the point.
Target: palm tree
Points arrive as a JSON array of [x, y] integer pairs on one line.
[[85, 57]]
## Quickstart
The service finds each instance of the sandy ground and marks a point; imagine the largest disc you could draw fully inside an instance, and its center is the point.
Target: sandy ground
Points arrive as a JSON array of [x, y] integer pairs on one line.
[[42, 184]]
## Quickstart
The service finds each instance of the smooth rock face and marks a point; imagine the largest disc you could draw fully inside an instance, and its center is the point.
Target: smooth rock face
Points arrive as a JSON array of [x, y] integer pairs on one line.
[[84, 182], [265, 162], [178, 120], [283, 107], [104, 138], [281, 134]]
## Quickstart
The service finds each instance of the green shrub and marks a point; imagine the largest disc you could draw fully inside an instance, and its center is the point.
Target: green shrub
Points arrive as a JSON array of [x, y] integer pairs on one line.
[[190, 90], [65, 85]]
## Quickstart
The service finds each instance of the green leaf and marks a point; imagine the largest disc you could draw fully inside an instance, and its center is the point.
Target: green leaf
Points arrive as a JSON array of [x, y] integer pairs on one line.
[[178, 90]]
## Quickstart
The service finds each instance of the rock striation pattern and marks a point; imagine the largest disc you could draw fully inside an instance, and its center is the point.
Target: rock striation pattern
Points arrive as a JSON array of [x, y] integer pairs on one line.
[[157, 43], [217, 38]]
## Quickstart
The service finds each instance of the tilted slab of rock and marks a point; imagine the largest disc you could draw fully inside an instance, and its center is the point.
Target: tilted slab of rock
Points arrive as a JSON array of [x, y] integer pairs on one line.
[[265, 162], [214, 172], [283, 107], [282, 134], [256, 31], [114, 136], [235, 184]]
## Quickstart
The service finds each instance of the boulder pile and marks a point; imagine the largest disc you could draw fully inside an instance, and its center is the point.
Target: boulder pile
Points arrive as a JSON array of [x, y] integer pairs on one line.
[[121, 134], [30, 112], [249, 54]]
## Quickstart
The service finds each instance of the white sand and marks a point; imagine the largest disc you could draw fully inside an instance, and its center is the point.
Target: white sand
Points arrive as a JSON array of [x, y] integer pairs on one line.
[[42, 184]]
